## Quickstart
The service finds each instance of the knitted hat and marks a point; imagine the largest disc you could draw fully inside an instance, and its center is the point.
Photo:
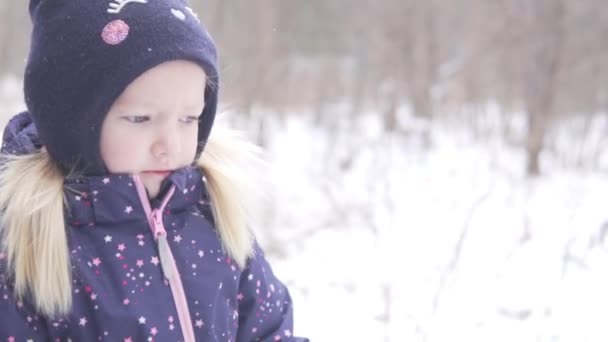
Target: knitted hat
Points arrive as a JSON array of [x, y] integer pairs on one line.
[[85, 53]]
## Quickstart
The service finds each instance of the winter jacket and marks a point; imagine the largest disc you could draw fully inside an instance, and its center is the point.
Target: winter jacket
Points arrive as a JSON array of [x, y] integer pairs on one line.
[[147, 270]]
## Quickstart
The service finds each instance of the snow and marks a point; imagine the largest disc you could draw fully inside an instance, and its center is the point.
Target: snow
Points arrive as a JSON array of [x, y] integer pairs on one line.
[[451, 242]]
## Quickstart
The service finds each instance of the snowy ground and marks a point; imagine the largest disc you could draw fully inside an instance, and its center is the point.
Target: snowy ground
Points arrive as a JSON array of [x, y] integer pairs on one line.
[[451, 243], [381, 239]]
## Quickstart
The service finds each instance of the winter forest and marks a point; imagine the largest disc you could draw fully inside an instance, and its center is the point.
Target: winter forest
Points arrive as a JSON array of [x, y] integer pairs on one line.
[[438, 170]]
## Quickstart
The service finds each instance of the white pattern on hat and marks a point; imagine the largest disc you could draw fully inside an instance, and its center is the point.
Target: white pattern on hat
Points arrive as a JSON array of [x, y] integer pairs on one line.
[[117, 5], [178, 14], [193, 13]]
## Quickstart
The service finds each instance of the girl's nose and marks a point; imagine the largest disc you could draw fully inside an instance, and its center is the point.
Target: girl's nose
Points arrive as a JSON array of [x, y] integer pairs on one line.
[[160, 152], [166, 145]]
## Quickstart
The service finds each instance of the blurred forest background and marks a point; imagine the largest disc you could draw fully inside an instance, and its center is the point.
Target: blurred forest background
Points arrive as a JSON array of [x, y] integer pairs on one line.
[[545, 58]]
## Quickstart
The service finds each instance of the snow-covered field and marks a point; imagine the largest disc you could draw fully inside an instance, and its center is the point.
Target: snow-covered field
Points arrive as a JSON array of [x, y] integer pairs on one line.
[[388, 241], [382, 239]]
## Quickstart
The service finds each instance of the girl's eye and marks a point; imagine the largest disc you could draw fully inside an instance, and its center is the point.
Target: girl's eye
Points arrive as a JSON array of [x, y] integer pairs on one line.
[[136, 118], [189, 119]]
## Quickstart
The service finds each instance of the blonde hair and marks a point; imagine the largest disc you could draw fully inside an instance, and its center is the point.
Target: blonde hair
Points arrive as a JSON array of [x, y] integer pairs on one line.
[[32, 225]]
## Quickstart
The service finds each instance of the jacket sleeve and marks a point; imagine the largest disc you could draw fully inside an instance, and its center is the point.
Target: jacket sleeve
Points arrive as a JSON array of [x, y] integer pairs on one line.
[[265, 306], [18, 321]]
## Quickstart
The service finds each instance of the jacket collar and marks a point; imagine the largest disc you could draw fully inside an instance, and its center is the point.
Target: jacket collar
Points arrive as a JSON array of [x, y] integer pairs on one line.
[[113, 199]]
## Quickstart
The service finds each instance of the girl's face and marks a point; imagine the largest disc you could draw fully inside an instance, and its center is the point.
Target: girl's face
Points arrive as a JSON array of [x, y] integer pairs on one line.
[[152, 128]]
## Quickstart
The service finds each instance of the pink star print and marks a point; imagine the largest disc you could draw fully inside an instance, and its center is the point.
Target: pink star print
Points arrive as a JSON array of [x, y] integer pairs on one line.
[[199, 323], [177, 238], [128, 339], [96, 261], [128, 209], [121, 247], [154, 260], [140, 263], [106, 180], [153, 331], [126, 301], [83, 321]]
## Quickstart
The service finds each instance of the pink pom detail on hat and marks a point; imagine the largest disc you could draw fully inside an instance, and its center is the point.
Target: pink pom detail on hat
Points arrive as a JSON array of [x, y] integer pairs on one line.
[[115, 32]]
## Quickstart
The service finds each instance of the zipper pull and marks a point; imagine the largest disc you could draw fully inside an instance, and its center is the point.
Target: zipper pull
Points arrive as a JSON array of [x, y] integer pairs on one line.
[[163, 246], [163, 252]]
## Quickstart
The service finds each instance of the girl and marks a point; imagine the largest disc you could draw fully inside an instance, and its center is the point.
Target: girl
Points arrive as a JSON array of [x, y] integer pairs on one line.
[[122, 217]]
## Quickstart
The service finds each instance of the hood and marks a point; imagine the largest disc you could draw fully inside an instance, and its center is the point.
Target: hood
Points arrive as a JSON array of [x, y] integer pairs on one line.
[[20, 135]]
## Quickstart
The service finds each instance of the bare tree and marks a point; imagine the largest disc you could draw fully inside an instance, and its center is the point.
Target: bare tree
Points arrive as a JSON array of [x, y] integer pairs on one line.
[[541, 62]]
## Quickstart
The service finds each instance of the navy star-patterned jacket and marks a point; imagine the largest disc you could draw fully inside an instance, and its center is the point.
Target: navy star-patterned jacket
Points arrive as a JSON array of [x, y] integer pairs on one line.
[[148, 271]]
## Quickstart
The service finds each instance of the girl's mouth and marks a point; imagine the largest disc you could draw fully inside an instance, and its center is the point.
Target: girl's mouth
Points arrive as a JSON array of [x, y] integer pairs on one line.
[[163, 173]]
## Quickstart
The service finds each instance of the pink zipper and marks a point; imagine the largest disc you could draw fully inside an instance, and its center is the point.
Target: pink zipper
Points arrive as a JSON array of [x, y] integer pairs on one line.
[[167, 261]]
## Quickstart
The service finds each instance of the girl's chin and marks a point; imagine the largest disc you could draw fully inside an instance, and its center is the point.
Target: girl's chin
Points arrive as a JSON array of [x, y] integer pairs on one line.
[[153, 190], [152, 184]]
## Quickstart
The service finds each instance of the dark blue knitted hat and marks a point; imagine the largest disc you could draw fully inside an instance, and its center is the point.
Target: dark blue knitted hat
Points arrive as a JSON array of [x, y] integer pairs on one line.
[[85, 53]]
